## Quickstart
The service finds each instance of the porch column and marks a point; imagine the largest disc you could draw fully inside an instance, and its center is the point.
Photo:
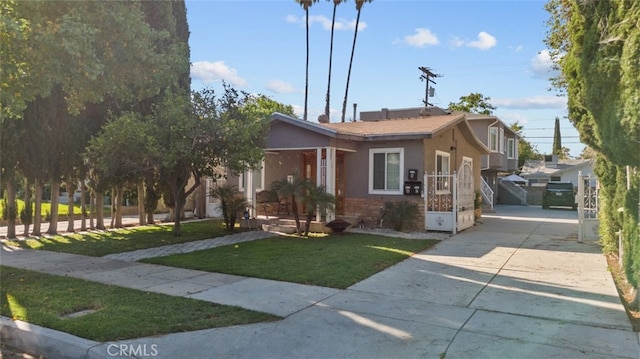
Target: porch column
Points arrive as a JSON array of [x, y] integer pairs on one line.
[[331, 178], [320, 175], [250, 192]]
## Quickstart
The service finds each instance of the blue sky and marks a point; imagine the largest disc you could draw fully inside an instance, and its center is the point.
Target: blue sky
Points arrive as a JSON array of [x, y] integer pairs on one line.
[[492, 47]]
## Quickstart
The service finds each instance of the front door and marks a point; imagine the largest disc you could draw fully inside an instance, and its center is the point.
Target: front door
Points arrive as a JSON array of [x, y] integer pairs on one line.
[[310, 170]]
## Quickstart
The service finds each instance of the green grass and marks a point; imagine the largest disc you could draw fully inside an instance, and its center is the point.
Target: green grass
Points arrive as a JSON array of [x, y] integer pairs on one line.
[[100, 243], [63, 209], [121, 313], [337, 261]]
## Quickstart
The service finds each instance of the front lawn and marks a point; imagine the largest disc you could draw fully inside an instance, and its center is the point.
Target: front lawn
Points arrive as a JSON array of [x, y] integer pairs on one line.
[[337, 261], [119, 313], [100, 243]]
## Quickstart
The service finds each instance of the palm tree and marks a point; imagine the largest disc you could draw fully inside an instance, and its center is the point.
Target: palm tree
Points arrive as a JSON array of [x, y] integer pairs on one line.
[[316, 198], [230, 202], [359, 4], [305, 5], [292, 188], [333, 21]]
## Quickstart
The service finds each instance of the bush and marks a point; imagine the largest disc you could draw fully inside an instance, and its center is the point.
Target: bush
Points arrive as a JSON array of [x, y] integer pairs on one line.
[[400, 213]]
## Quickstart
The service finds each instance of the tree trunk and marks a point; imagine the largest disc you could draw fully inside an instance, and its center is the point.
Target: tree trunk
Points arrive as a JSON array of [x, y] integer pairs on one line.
[[100, 210], [37, 210], [11, 209], [306, 76], [201, 201], [28, 207], [113, 208], [118, 206], [55, 193], [141, 216], [353, 49], [151, 198], [177, 230], [83, 207], [92, 209], [328, 98], [70, 192]]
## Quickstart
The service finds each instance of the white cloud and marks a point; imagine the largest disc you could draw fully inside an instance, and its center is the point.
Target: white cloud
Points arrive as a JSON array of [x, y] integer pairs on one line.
[[422, 37], [279, 86], [513, 117], [456, 42], [209, 72], [542, 65], [533, 102], [485, 41], [325, 22], [517, 48]]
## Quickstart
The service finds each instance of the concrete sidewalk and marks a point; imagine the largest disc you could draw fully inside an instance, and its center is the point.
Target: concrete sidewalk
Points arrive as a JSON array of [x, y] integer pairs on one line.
[[516, 286]]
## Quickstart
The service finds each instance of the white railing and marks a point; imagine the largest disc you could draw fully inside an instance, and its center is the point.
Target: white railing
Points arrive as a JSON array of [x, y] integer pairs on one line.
[[487, 192]]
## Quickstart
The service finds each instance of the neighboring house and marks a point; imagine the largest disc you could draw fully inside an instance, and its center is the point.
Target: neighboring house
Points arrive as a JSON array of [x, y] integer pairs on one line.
[[503, 144], [539, 172], [372, 161], [489, 129]]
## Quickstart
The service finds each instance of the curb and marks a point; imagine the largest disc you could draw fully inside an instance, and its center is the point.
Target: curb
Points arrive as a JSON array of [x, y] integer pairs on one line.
[[51, 343]]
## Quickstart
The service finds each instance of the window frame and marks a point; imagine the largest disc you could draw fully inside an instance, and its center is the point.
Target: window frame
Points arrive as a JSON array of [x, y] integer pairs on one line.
[[442, 178], [242, 178], [493, 139], [386, 152], [512, 148]]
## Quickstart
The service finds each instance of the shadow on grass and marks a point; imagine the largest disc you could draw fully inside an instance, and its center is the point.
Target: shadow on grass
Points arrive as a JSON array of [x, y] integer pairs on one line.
[[99, 243]]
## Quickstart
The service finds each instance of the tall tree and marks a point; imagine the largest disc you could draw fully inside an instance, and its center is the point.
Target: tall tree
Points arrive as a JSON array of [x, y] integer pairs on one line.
[[359, 4], [601, 74], [475, 103], [557, 139], [333, 23], [305, 5]]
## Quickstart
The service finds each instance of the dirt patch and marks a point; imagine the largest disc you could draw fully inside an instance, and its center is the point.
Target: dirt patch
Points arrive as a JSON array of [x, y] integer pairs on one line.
[[625, 290]]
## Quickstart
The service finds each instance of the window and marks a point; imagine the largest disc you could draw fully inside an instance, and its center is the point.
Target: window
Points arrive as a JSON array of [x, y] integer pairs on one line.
[[493, 139], [501, 140], [512, 150], [385, 170], [442, 171]]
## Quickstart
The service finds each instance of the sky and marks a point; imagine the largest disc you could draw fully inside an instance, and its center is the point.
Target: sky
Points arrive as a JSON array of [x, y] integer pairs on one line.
[[495, 48]]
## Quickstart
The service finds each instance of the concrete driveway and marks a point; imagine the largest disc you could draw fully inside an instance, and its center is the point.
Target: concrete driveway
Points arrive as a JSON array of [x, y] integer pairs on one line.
[[517, 285]]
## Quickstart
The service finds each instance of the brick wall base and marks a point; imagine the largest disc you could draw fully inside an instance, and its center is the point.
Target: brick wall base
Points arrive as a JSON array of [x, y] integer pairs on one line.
[[368, 211]]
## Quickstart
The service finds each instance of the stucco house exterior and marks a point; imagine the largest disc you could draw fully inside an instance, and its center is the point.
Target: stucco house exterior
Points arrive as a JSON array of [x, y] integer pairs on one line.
[[494, 134], [371, 161]]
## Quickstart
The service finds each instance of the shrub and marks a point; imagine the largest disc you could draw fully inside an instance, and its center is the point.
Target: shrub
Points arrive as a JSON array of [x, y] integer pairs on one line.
[[400, 213]]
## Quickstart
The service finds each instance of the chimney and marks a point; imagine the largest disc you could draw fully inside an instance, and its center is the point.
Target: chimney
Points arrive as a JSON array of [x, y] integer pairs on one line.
[[355, 106], [384, 114]]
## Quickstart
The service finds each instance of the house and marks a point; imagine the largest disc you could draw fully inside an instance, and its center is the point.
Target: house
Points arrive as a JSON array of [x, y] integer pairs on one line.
[[501, 140], [433, 160], [539, 172]]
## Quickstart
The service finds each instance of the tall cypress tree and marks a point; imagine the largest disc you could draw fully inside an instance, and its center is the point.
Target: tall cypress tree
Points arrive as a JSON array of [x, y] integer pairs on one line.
[[557, 142]]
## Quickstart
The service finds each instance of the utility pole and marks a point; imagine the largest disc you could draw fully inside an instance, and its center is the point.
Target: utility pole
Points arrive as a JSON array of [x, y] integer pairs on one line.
[[427, 76]]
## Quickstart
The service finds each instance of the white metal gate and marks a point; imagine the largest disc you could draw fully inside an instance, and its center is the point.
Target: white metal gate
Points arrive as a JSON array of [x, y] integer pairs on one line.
[[449, 199], [465, 195], [588, 223]]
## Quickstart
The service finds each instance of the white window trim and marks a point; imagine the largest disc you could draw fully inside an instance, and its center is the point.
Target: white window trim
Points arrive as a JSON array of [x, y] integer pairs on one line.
[[493, 146], [241, 179], [512, 148], [373, 151], [443, 187]]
